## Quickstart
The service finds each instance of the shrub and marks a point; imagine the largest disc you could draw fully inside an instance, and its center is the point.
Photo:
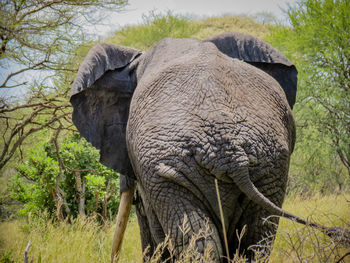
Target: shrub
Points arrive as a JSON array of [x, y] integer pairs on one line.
[[69, 182], [154, 28]]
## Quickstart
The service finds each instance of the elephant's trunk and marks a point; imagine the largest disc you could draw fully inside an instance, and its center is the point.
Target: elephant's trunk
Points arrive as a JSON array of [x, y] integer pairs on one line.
[[247, 187], [122, 219]]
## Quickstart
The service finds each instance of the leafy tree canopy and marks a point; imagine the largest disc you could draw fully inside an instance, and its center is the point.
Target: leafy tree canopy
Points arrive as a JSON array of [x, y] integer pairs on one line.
[[318, 42]]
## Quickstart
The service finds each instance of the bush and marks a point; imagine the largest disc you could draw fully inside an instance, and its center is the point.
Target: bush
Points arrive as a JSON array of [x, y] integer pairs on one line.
[[154, 28], [69, 182]]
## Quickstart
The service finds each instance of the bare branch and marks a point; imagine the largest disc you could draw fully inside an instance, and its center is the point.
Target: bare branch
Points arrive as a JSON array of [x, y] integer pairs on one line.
[[46, 104], [45, 5], [8, 153], [27, 251], [35, 66]]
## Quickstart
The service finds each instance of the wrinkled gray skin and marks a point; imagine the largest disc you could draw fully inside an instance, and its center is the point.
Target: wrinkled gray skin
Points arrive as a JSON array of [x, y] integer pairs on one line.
[[188, 111]]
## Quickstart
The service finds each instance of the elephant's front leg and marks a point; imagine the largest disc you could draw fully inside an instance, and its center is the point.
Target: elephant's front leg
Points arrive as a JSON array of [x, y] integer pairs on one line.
[[183, 216]]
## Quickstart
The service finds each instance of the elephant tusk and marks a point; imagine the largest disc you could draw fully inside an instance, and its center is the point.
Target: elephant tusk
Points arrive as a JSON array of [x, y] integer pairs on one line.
[[122, 219]]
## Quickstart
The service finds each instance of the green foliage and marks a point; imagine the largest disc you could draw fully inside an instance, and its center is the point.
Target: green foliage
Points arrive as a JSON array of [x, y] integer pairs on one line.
[[35, 179], [40, 179], [318, 43], [154, 28]]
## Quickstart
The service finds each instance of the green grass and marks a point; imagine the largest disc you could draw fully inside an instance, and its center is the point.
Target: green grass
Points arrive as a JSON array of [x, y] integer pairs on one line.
[[85, 241], [158, 26]]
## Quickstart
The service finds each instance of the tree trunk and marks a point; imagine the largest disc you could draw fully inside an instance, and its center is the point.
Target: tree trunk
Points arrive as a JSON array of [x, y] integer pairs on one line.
[[80, 186], [60, 201], [344, 160], [104, 205]]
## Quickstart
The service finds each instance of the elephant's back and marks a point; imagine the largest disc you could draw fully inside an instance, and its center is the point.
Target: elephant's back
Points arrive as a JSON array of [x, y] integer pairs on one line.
[[206, 105], [206, 95]]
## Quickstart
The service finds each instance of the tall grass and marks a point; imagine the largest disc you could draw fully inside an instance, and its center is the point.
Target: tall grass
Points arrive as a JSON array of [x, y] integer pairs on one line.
[[81, 241], [85, 241]]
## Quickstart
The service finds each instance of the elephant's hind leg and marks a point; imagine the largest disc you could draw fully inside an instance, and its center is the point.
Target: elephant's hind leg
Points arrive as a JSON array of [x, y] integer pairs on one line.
[[190, 228], [147, 241], [151, 231], [260, 233]]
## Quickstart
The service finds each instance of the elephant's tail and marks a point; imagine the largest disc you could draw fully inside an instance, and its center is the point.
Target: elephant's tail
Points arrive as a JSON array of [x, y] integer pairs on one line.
[[248, 188]]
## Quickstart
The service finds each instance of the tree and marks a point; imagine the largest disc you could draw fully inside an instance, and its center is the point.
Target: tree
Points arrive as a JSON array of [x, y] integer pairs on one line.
[[318, 41], [40, 36]]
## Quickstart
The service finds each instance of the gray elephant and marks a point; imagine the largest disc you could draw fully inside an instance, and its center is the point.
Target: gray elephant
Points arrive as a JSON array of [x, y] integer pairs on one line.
[[173, 119]]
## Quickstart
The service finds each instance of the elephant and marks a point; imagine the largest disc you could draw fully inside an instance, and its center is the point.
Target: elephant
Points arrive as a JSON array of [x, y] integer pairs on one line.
[[186, 115]]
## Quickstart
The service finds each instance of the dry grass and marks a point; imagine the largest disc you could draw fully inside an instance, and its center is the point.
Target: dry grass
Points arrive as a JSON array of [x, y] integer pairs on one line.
[[297, 243], [84, 241], [190, 254]]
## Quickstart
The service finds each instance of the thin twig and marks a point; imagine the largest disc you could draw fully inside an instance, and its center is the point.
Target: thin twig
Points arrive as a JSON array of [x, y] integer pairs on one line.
[[344, 256], [222, 219], [27, 251]]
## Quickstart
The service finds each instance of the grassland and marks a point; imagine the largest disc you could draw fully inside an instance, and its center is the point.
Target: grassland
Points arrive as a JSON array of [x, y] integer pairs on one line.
[[84, 241]]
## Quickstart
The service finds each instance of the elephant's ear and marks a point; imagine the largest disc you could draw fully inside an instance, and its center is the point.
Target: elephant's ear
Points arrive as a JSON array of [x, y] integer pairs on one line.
[[262, 55], [100, 96]]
